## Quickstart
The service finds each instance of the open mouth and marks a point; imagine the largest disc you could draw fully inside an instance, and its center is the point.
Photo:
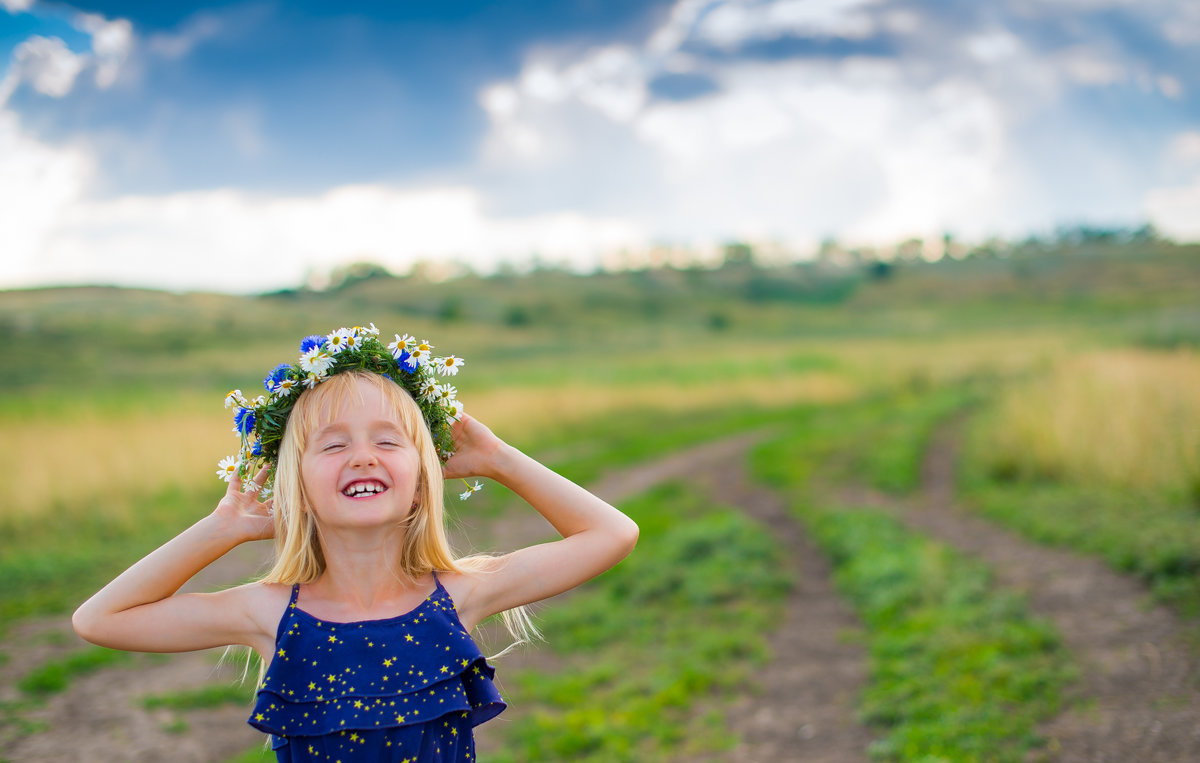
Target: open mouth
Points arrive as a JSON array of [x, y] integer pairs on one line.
[[364, 489]]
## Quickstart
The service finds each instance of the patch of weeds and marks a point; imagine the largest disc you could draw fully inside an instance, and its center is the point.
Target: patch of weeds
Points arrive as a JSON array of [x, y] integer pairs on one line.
[[176, 726], [213, 695], [683, 618], [55, 675]]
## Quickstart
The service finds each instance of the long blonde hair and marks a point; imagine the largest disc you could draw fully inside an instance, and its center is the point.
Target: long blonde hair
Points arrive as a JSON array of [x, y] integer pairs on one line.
[[425, 549]]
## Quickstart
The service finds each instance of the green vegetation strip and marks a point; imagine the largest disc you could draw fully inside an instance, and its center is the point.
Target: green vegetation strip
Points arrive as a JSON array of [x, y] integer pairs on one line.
[[684, 616], [55, 675], [960, 671], [213, 695]]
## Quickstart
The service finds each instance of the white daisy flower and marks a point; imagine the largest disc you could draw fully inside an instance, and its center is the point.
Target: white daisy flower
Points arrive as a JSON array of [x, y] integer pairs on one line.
[[227, 467], [402, 344], [449, 365], [476, 487], [313, 380], [316, 361], [447, 392], [258, 402], [465, 495], [361, 332], [339, 340], [286, 387], [429, 390], [419, 355], [453, 409], [235, 398]]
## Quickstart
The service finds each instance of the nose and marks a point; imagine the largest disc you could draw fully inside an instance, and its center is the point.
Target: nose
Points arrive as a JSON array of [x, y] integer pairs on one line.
[[362, 454]]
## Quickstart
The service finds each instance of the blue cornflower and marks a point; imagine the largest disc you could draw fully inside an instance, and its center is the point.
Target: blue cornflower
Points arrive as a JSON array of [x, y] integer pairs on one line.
[[256, 448], [278, 374], [312, 342], [406, 362], [243, 421]]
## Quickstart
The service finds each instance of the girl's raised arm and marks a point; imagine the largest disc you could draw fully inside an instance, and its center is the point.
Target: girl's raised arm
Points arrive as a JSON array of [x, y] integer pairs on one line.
[[595, 535], [138, 611]]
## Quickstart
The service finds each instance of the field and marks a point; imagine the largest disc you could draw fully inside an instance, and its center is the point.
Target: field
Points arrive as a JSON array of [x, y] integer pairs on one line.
[[1057, 382]]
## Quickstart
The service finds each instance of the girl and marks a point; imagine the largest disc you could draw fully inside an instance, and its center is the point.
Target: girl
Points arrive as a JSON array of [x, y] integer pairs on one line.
[[363, 623]]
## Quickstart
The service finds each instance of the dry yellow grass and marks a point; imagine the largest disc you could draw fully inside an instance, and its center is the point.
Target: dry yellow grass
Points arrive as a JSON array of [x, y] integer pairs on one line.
[[1120, 417], [66, 460]]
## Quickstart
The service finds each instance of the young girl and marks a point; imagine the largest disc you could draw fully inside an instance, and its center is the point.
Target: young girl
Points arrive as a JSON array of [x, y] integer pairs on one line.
[[363, 623]]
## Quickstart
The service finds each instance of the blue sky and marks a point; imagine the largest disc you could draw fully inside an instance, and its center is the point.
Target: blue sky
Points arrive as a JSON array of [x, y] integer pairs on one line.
[[244, 146]]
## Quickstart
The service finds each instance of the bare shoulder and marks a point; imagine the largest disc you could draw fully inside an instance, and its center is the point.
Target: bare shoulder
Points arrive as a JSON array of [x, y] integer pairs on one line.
[[464, 586], [264, 604]]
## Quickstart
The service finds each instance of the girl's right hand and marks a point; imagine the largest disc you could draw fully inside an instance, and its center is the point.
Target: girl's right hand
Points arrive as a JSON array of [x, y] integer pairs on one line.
[[240, 511]]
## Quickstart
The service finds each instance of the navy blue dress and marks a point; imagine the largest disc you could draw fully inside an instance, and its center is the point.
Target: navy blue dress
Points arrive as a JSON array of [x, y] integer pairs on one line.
[[408, 688]]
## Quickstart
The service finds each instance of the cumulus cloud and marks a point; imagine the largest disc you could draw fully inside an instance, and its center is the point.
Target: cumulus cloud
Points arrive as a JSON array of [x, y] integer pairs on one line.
[[38, 183], [47, 64]]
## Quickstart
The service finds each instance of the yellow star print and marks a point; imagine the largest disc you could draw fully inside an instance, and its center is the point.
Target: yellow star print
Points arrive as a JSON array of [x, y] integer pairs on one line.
[[281, 652]]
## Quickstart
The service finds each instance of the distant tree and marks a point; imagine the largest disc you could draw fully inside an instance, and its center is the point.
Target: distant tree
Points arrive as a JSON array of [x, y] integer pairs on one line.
[[738, 254], [345, 276]]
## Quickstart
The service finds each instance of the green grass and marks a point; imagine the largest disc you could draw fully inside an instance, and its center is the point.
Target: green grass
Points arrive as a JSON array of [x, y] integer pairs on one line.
[[959, 671], [686, 616], [52, 564], [55, 675], [213, 695]]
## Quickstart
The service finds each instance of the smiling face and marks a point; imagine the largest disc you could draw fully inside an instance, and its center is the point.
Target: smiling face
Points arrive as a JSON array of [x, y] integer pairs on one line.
[[359, 467]]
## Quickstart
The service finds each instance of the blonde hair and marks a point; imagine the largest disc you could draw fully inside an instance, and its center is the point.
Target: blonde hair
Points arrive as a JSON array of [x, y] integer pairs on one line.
[[425, 548]]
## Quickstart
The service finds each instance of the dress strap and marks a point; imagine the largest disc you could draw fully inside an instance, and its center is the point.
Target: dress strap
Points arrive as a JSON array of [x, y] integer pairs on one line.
[[295, 595]]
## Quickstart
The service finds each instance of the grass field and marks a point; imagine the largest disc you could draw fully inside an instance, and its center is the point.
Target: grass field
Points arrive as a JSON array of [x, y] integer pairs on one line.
[[1076, 370]]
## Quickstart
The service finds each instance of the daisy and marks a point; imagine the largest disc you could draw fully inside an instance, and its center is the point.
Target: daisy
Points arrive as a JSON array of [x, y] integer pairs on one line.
[[447, 393], [278, 374], [286, 387], [339, 340], [313, 380], [465, 495], [449, 365], [420, 354], [227, 467], [316, 361], [429, 390], [401, 345], [453, 409], [234, 396]]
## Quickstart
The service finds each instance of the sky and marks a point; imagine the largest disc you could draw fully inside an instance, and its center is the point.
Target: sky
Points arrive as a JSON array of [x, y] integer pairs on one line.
[[245, 146]]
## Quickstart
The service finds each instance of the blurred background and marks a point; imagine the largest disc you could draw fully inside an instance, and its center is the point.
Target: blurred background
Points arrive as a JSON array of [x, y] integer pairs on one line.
[[848, 226]]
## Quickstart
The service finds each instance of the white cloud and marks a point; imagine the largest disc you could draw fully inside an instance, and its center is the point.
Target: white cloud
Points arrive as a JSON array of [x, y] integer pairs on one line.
[[47, 64], [16, 6], [38, 183], [1176, 210], [791, 150], [233, 241], [112, 42]]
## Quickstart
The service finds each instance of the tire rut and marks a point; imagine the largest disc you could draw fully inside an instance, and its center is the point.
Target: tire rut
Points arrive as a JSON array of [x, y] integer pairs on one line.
[[1137, 697]]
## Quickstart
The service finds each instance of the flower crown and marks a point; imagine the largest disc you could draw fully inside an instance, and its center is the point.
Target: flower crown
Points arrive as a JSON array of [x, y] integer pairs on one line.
[[260, 422]]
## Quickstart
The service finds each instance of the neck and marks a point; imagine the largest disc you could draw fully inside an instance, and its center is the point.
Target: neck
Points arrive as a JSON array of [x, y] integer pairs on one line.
[[362, 569]]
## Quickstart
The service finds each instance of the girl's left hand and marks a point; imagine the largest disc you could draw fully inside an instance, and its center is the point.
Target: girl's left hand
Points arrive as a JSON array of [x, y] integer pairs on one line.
[[475, 450]]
